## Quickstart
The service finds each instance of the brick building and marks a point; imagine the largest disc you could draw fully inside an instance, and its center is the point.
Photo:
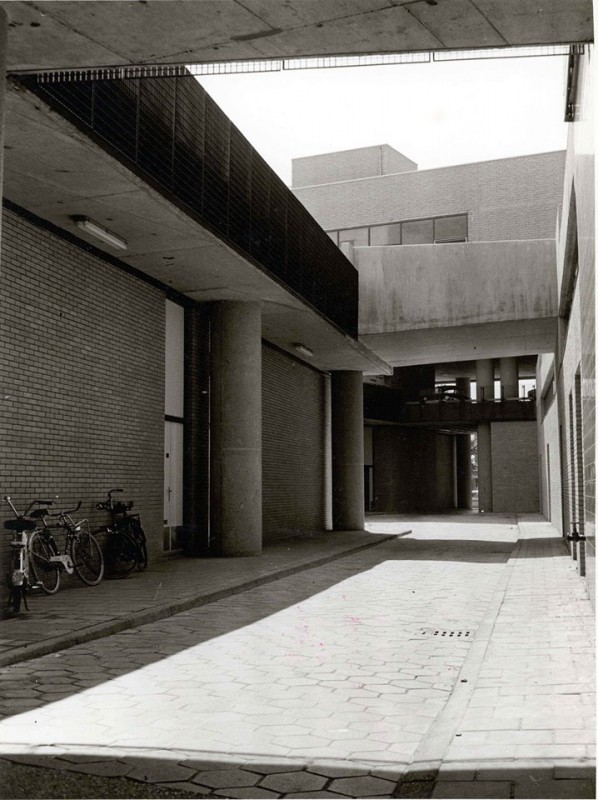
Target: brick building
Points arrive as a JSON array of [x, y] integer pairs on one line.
[[175, 322]]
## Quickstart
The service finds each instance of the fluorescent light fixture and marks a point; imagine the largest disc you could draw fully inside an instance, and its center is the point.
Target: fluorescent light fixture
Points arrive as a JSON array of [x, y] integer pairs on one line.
[[96, 230], [301, 348]]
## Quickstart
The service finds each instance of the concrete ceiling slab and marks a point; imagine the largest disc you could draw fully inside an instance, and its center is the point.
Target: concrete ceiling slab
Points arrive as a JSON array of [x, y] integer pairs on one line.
[[54, 34], [163, 241], [465, 342]]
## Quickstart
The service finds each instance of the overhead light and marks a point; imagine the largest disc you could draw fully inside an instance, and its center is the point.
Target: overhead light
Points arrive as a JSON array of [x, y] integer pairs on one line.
[[94, 229], [301, 348]]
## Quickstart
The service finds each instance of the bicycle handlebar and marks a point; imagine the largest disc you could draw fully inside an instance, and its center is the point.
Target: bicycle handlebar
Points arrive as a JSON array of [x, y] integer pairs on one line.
[[29, 507], [110, 493], [65, 511]]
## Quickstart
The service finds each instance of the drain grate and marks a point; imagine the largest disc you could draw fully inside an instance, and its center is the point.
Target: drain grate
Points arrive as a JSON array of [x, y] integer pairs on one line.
[[439, 632]]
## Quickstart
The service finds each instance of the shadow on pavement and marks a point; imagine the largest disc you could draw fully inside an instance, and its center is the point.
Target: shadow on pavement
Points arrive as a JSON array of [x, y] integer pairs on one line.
[[36, 777]]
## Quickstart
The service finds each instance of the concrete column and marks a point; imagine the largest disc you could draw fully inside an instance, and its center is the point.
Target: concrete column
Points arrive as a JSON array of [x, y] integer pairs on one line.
[[236, 429], [3, 52], [509, 378], [463, 470], [484, 467], [463, 386], [484, 375], [347, 451]]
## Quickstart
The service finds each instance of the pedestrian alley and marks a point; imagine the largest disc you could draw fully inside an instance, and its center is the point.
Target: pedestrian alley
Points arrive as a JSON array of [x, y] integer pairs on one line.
[[440, 657]]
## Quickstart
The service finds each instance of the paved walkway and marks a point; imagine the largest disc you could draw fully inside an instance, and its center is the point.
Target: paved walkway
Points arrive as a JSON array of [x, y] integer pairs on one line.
[[456, 661]]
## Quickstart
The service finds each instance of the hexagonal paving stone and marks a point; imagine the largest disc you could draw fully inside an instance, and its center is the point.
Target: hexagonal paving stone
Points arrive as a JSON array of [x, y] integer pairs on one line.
[[226, 778], [159, 772], [362, 787], [285, 782]]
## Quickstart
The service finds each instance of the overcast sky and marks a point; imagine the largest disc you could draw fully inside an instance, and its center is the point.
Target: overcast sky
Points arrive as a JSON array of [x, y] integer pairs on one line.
[[437, 114]]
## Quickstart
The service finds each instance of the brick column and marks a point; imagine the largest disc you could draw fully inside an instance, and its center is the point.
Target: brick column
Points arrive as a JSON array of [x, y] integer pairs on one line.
[[347, 451], [463, 469], [236, 429]]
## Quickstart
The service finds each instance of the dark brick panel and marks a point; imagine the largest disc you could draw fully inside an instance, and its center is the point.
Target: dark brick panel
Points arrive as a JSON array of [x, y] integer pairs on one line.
[[293, 444]]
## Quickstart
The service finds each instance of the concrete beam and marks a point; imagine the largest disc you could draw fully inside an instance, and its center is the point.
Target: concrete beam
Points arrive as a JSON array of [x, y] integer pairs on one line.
[[55, 34]]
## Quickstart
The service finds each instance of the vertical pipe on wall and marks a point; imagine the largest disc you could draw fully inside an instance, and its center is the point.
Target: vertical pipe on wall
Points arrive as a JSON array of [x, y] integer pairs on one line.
[[347, 450], [236, 428]]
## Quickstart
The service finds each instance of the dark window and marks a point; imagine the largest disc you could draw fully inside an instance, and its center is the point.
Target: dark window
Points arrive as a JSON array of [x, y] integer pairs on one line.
[[451, 229], [418, 232], [386, 234]]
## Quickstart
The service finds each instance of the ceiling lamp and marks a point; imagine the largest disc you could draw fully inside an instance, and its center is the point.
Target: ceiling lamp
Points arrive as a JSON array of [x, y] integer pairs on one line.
[[301, 348], [98, 232]]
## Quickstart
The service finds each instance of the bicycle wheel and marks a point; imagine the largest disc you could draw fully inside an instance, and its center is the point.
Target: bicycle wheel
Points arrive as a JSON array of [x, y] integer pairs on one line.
[[137, 534], [45, 572], [88, 560], [121, 554]]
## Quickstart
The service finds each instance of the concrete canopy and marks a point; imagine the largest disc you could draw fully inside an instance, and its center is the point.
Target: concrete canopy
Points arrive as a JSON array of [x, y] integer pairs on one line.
[[55, 34], [56, 172]]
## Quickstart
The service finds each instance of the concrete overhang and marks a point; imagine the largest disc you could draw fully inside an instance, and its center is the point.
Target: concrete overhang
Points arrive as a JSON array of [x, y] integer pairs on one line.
[[465, 342], [428, 304], [54, 34], [55, 172]]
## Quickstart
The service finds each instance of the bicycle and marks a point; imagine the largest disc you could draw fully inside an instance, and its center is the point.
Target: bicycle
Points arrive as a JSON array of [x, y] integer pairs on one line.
[[127, 545], [81, 555], [19, 580]]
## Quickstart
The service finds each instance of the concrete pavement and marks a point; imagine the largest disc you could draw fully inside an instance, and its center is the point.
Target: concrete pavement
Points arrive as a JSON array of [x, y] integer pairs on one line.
[[457, 661]]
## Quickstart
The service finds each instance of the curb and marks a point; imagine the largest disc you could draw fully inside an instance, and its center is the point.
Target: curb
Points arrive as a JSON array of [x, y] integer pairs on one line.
[[103, 629]]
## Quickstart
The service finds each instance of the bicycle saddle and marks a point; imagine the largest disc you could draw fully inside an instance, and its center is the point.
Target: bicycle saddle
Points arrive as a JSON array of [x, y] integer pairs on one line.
[[21, 524]]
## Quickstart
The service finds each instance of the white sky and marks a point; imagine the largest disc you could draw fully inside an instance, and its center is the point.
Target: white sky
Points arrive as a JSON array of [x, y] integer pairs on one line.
[[437, 114]]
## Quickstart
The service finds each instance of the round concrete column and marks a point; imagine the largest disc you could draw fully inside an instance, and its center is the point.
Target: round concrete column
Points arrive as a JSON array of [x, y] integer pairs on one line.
[[463, 386], [484, 376], [509, 378], [484, 467], [236, 429], [463, 459], [347, 451]]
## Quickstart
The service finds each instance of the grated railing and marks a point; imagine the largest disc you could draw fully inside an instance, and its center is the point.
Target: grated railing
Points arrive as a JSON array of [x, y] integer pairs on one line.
[[172, 131]]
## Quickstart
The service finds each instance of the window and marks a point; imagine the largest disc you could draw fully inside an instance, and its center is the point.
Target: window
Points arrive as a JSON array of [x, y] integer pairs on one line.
[[432, 230], [386, 234], [450, 229], [418, 232], [356, 236]]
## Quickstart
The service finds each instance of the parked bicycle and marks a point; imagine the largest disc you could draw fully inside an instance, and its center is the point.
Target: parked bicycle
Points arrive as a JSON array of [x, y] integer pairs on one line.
[[81, 554], [19, 578], [126, 546]]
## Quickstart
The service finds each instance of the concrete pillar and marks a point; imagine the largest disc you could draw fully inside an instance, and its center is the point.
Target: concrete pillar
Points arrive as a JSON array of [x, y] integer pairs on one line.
[[3, 52], [236, 429], [463, 470], [509, 378], [484, 375], [463, 386], [347, 451], [484, 467]]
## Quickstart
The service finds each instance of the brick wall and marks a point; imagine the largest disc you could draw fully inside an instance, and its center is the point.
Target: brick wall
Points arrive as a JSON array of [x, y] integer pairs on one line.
[[509, 198], [346, 165], [293, 446], [81, 377], [515, 467], [413, 470], [549, 449]]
